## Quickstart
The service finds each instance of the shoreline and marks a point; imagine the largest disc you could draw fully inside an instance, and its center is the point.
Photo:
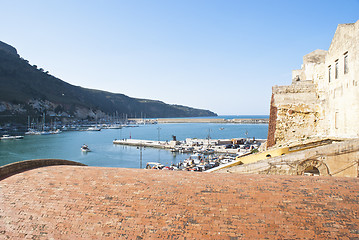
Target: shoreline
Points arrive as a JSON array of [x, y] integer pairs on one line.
[[203, 120]]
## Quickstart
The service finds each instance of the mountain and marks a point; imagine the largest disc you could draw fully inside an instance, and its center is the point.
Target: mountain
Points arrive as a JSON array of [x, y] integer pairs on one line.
[[27, 90]]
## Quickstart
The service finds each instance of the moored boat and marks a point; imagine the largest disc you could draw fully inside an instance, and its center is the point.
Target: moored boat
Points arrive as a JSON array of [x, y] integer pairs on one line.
[[93, 129], [154, 165]]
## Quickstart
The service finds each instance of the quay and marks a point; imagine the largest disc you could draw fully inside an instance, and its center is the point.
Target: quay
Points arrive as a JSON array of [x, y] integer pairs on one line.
[[236, 146]]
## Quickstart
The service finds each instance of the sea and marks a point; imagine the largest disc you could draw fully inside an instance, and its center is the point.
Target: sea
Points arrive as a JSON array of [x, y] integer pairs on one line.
[[67, 145]]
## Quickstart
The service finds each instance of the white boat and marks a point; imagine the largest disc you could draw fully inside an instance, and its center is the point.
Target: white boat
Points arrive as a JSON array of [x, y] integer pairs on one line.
[[85, 148], [45, 133], [57, 131], [93, 129], [8, 137], [114, 126], [154, 165]]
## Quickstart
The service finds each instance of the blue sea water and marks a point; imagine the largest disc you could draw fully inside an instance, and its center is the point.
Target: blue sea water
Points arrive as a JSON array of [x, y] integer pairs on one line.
[[106, 154]]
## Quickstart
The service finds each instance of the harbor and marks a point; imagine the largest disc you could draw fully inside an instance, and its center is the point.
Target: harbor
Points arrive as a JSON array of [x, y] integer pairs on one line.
[[155, 139], [205, 154]]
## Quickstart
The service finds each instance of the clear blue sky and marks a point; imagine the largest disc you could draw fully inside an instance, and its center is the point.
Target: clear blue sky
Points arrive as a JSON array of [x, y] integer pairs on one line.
[[220, 55]]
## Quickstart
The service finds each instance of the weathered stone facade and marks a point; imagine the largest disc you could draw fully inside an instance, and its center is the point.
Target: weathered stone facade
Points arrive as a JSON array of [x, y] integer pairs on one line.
[[337, 159], [322, 100]]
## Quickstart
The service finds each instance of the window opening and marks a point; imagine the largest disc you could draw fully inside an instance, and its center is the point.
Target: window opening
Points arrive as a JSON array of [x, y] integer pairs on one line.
[[346, 67], [311, 171]]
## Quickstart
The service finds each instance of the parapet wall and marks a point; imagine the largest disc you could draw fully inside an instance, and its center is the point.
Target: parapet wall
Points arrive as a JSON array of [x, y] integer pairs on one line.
[[17, 167], [337, 159]]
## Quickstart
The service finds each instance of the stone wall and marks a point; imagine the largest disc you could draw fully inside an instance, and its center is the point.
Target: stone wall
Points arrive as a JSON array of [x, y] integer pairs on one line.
[[337, 159], [295, 112], [272, 123]]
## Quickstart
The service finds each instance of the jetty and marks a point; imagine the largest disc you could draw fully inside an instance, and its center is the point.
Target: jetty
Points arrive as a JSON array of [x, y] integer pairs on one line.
[[235, 146]]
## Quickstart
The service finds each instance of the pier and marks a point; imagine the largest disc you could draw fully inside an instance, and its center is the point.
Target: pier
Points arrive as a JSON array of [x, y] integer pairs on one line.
[[237, 146]]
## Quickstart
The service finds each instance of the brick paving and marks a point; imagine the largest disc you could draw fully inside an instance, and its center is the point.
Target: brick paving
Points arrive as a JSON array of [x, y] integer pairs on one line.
[[71, 202]]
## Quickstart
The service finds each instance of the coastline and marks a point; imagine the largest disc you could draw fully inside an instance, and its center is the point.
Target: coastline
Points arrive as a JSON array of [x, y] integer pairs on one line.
[[203, 120]]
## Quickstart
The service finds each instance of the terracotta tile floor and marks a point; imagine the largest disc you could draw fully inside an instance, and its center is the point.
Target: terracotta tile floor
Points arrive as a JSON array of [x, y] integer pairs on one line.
[[71, 202]]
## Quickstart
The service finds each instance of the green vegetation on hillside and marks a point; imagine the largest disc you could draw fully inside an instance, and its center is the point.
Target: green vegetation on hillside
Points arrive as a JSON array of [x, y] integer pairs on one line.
[[22, 82]]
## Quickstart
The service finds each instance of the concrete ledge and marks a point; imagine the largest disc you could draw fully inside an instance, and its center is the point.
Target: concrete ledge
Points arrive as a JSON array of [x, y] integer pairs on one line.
[[18, 167]]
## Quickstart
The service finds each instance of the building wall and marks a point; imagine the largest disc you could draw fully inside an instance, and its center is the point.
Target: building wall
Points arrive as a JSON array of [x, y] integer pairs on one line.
[[342, 93], [313, 105]]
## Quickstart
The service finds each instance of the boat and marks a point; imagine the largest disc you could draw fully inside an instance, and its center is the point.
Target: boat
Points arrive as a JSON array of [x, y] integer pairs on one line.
[[8, 137], [32, 132], [93, 129], [208, 151], [154, 165], [85, 148], [45, 133], [114, 126]]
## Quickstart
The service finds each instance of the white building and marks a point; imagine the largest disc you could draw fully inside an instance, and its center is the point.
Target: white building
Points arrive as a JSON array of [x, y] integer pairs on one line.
[[323, 99]]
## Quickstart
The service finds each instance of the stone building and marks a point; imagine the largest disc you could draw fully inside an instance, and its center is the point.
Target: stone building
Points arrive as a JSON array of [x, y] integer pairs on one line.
[[323, 99]]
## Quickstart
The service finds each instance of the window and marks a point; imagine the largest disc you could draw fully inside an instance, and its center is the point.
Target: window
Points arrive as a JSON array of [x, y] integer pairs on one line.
[[336, 69], [336, 120], [329, 72], [346, 67]]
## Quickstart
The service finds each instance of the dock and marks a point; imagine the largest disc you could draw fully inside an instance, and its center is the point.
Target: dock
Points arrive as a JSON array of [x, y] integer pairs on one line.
[[143, 143], [197, 145]]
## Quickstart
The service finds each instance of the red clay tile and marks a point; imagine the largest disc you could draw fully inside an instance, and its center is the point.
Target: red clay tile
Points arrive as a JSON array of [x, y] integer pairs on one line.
[[71, 202]]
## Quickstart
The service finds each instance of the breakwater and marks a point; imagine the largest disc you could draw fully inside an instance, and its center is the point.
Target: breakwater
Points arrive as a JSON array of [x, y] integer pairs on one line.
[[224, 146]]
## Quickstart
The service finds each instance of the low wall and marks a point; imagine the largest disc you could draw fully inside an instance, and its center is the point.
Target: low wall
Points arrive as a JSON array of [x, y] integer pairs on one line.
[[18, 167], [336, 159]]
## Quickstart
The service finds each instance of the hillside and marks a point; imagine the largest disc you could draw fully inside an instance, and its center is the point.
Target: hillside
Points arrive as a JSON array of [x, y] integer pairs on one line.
[[27, 90]]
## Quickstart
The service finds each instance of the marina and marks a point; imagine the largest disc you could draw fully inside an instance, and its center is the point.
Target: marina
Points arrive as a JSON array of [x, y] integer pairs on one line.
[[104, 153], [205, 153]]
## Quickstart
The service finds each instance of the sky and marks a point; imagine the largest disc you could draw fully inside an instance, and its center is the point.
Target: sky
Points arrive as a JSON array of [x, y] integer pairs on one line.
[[220, 55]]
